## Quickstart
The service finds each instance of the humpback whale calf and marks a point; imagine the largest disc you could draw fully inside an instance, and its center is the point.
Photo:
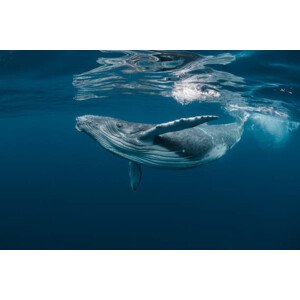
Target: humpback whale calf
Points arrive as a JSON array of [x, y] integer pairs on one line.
[[179, 144]]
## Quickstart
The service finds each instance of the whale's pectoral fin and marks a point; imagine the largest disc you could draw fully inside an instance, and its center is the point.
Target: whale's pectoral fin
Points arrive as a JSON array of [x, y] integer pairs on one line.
[[176, 125], [135, 174]]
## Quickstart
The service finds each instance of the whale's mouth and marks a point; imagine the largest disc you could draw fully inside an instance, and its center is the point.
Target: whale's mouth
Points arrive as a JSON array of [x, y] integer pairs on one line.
[[78, 124], [77, 127]]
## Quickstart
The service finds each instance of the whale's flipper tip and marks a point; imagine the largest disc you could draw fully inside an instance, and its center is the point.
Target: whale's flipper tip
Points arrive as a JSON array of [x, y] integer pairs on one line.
[[135, 174]]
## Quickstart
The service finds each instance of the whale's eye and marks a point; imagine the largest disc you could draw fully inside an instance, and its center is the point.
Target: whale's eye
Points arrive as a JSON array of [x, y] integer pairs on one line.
[[119, 125]]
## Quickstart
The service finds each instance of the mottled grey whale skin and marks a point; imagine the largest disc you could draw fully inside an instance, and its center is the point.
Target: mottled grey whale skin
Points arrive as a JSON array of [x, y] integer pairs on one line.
[[179, 144]]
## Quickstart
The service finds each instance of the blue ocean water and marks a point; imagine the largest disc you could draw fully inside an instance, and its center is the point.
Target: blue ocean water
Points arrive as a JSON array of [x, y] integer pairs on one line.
[[61, 190]]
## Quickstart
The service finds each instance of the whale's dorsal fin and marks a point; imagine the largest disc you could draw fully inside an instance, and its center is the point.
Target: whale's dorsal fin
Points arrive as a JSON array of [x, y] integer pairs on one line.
[[176, 125]]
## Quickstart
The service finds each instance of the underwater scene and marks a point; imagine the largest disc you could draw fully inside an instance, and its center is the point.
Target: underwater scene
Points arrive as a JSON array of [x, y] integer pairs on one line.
[[150, 150]]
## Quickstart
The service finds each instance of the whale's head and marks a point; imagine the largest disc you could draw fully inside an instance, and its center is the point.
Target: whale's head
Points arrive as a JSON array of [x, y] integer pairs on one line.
[[118, 136]]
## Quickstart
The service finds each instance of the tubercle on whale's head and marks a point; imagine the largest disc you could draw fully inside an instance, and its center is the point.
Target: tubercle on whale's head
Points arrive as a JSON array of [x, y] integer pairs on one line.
[[87, 122]]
